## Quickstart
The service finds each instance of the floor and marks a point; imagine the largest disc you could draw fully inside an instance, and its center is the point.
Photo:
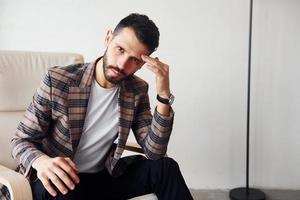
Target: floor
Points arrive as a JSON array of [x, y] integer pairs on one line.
[[224, 194]]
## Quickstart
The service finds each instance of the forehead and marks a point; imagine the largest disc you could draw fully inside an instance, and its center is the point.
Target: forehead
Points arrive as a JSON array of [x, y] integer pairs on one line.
[[127, 39]]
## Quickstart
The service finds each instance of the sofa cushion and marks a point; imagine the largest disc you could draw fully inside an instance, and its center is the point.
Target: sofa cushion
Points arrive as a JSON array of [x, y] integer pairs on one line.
[[8, 122], [21, 72]]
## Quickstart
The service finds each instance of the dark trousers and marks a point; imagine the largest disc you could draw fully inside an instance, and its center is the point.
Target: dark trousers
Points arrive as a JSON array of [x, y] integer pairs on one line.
[[162, 177]]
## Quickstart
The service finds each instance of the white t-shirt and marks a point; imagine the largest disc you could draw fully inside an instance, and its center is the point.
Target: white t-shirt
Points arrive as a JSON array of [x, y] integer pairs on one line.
[[100, 129]]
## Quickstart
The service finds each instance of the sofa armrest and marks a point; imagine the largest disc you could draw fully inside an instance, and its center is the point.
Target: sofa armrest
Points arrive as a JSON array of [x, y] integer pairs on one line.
[[17, 184]]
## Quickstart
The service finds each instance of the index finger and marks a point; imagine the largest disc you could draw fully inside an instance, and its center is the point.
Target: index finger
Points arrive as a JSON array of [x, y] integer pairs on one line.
[[150, 60], [69, 169], [71, 163], [48, 186]]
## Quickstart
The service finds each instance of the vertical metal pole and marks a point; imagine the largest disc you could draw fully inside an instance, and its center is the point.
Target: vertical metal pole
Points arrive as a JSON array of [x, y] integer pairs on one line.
[[243, 193], [248, 97]]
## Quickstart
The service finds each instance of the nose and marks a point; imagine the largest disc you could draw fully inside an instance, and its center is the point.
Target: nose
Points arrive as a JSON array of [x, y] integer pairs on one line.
[[122, 61]]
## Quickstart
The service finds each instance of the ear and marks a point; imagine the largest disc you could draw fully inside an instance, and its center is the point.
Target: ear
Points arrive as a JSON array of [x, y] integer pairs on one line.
[[108, 38]]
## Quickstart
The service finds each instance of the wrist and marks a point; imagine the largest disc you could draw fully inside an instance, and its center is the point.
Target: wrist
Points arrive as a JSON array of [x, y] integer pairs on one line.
[[165, 100], [165, 95], [38, 160]]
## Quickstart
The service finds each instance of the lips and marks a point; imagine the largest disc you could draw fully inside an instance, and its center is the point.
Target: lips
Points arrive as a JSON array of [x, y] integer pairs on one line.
[[115, 72]]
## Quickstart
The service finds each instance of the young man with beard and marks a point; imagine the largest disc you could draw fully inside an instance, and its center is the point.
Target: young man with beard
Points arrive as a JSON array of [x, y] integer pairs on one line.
[[65, 143]]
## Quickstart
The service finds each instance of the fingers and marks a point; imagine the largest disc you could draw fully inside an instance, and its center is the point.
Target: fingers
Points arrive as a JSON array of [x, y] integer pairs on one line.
[[65, 179], [72, 164], [66, 169], [57, 183], [156, 66], [62, 172], [149, 60], [48, 186], [72, 172]]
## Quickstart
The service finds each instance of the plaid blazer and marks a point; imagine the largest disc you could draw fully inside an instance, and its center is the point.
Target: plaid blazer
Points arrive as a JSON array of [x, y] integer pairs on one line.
[[53, 122]]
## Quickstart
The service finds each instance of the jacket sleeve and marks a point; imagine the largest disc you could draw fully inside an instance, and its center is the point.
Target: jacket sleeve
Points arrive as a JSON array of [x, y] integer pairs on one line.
[[152, 132], [25, 145]]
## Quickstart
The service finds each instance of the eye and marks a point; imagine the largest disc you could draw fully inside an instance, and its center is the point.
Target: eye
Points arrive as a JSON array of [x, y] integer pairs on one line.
[[120, 49], [136, 61]]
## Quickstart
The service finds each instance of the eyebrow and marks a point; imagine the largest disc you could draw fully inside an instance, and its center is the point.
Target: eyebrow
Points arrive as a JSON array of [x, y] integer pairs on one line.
[[140, 60]]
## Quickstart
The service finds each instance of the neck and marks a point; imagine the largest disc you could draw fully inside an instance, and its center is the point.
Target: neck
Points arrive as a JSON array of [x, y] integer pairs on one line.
[[99, 75]]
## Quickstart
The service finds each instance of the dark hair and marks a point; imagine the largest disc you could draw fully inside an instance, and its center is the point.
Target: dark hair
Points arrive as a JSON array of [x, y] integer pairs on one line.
[[144, 28]]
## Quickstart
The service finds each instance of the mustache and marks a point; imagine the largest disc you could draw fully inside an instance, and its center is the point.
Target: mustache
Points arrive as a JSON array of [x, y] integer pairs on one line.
[[117, 69]]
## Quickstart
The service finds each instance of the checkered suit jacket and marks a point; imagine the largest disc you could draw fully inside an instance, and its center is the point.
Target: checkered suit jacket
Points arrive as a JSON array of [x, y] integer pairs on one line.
[[53, 122]]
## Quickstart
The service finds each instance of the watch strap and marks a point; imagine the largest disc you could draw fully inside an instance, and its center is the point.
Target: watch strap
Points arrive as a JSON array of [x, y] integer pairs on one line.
[[162, 100]]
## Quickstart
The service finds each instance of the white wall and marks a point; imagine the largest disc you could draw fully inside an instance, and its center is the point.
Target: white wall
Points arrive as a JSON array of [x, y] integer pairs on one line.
[[205, 43], [276, 97]]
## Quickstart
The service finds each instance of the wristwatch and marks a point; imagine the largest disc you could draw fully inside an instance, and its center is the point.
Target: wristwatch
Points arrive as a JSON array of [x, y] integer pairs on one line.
[[166, 101]]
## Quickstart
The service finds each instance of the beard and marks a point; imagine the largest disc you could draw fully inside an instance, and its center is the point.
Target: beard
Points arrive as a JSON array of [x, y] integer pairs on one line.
[[107, 67]]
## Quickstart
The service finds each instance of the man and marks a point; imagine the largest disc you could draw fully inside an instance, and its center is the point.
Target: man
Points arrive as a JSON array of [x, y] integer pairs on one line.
[[65, 143]]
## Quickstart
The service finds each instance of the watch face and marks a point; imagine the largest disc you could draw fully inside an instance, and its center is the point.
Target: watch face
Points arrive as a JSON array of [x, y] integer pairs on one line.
[[171, 100]]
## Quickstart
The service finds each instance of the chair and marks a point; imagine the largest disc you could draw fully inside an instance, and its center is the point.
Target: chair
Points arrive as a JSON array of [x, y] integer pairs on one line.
[[20, 74]]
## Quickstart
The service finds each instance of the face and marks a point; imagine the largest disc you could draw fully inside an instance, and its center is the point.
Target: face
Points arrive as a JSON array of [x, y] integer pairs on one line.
[[122, 57]]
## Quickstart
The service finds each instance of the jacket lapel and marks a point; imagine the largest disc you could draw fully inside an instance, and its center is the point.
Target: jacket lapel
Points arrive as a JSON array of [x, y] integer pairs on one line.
[[126, 109], [78, 102], [78, 97]]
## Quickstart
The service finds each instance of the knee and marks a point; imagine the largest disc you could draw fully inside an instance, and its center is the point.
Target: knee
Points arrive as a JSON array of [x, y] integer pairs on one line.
[[170, 161], [169, 165]]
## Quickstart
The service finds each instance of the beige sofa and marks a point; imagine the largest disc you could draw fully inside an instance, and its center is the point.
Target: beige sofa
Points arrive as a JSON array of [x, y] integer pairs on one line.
[[20, 75]]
